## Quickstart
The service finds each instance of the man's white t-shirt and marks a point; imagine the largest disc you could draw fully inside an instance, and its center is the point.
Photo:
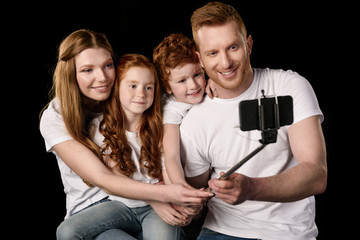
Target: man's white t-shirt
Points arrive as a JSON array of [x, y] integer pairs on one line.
[[211, 138], [78, 194]]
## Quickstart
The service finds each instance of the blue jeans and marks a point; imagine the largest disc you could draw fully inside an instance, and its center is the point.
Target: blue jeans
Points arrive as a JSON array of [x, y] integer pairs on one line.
[[207, 234], [114, 220]]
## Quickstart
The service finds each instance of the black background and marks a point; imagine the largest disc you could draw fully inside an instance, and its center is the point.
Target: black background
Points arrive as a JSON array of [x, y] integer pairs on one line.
[[310, 38]]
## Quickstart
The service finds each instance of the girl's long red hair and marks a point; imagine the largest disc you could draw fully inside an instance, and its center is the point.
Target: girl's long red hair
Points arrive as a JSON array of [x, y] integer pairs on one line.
[[150, 130]]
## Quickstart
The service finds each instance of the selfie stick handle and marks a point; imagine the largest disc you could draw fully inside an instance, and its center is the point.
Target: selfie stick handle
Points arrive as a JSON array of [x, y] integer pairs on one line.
[[243, 161]]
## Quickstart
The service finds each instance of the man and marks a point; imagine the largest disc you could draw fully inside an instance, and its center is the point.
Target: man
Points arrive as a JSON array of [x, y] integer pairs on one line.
[[271, 196]]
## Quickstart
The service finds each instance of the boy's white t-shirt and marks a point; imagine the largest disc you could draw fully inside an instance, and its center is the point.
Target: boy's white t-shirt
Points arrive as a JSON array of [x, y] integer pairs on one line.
[[138, 175], [78, 194], [174, 111], [211, 138]]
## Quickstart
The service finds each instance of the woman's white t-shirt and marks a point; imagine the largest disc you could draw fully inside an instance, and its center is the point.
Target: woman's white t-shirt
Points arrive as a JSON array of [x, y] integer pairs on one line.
[[78, 194]]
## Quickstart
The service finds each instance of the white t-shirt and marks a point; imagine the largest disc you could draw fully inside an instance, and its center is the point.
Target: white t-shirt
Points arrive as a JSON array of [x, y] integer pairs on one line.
[[211, 137], [173, 111], [138, 175], [78, 194]]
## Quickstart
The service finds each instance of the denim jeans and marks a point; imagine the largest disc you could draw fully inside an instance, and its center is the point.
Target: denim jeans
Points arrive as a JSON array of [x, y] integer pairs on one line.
[[114, 220], [207, 234]]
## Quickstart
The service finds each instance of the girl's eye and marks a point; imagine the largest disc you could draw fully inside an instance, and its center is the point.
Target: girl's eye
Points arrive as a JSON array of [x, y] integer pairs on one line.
[[110, 65], [132, 86], [182, 81]]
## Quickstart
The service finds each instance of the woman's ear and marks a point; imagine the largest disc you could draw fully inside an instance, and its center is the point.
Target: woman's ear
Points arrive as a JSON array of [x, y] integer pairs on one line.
[[249, 42]]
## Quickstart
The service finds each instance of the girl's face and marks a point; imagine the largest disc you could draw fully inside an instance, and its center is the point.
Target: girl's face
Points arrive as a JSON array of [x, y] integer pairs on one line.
[[137, 91], [95, 73], [187, 83]]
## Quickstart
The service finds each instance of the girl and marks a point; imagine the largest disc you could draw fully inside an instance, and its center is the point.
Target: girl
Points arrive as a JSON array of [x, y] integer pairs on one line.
[[83, 79], [183, 81]]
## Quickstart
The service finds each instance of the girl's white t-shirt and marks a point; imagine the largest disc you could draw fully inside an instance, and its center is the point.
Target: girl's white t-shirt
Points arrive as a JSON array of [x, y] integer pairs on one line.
[[138, 175], [78, 194]]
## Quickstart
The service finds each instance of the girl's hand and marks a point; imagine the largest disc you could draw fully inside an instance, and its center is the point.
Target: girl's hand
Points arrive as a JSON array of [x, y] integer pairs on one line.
[[169, 214]]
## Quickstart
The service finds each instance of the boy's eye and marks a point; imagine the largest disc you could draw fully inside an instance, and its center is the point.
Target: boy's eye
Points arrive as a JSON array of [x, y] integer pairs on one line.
[[197, 74], [182, 81]]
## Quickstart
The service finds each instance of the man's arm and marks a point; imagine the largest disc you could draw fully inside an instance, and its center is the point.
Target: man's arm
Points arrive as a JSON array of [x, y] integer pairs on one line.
[[307, 178], [200, 181]]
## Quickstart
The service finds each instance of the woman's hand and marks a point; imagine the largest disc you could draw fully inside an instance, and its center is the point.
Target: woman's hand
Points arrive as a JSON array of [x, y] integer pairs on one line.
[[184, 194]]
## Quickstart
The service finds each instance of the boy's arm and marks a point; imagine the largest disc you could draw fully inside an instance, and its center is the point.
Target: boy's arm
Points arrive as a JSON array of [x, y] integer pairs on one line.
[[171, 144]]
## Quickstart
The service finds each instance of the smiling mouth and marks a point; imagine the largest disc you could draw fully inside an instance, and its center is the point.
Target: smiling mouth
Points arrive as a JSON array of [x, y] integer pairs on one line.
[[229, 73], [101, 88], [195, 93]]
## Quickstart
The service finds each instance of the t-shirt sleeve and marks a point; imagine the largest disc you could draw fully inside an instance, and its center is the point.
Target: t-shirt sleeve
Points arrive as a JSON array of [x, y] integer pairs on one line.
[[52, 127], [305, 103], [174, 112], [191, 155]]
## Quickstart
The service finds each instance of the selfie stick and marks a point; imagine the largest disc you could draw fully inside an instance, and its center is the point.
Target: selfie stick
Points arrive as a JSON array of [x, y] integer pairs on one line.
[[268, 135]]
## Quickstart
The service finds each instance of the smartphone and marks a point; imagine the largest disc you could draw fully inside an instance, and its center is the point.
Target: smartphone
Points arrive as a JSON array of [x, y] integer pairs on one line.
[[264, 113]]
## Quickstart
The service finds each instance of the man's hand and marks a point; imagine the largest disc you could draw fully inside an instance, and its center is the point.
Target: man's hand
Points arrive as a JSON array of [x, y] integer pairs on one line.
[[235, 189]]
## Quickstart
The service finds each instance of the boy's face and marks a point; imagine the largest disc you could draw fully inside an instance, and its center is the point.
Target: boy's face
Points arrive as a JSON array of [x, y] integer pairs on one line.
[[187, 83]]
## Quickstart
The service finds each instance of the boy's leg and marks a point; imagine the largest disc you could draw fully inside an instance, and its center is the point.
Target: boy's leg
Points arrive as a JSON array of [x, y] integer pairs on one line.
[[97, 219]]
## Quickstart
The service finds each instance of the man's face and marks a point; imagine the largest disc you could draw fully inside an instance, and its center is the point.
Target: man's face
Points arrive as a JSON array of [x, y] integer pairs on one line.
[[224, 53]]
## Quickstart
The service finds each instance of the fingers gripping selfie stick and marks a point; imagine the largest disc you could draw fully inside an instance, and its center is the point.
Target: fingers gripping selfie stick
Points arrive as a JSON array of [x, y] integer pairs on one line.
[[267, 119]]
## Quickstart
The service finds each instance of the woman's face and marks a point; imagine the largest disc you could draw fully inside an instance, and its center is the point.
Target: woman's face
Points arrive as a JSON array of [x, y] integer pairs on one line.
[[95, 73]]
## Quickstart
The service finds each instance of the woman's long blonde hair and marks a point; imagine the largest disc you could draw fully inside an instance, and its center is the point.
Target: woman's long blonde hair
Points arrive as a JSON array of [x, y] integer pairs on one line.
[[65, 87]]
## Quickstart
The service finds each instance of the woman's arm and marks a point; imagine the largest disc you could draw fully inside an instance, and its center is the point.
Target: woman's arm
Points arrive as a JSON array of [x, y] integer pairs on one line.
[[171, 145], [89, 167]]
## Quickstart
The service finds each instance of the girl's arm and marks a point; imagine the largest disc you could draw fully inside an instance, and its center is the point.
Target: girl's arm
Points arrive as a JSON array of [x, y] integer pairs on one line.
[[89, 167], [171, 145]]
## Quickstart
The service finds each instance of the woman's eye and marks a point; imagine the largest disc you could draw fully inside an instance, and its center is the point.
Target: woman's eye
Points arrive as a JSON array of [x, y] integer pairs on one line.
[[87, 70]]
